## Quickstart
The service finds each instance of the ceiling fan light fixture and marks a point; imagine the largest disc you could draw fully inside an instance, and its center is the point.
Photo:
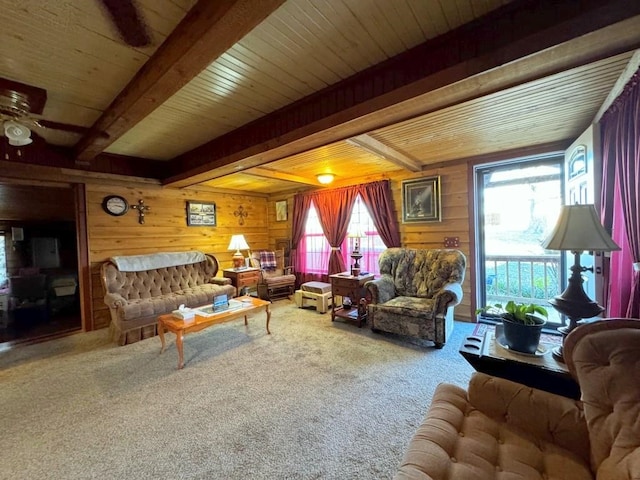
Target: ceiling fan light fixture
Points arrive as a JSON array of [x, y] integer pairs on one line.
[[325, 178], [18, 134]]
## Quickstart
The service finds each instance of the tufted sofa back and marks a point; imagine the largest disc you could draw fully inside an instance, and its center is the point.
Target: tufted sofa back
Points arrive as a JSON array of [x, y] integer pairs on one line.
[[604, 356], [421, 273], [159, 281]]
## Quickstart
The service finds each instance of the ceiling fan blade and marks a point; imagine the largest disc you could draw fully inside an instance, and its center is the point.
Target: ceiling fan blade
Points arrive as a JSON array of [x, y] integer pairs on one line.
[[61, 126], [128, 21]]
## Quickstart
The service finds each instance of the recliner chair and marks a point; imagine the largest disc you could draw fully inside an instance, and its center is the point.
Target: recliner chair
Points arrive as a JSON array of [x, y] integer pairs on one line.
[[276, 280]]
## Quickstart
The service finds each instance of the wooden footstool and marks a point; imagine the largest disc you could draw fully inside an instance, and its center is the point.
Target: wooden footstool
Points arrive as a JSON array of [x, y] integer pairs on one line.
[[314, 294]]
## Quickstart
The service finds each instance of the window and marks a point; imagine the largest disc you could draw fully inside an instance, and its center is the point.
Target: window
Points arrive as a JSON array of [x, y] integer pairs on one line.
[[317, 248], [519, 204]]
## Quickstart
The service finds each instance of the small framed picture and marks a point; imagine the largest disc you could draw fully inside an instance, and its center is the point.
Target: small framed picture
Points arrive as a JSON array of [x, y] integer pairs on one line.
[[201, 214], [421, 200], [281, 211]]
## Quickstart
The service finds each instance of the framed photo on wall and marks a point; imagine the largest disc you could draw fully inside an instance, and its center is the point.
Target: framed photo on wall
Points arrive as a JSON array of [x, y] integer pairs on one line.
[[421, 200], [281, 211], [201, 214]]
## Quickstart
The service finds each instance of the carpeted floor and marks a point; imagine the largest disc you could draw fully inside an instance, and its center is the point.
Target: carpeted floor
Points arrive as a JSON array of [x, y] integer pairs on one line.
[[314, 400]]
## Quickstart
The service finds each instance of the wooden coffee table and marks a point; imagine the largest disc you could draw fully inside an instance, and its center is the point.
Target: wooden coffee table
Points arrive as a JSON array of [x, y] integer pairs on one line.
[[170, 323], [543, 371]]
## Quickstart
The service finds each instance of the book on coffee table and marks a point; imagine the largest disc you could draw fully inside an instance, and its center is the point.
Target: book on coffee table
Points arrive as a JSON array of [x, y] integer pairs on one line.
[[209, 311]]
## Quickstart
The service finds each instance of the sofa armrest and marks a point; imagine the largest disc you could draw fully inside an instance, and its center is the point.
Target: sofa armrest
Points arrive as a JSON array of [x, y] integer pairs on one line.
[[381, 289], [220, 281], [114, 300], [449, 295], [547, 416]]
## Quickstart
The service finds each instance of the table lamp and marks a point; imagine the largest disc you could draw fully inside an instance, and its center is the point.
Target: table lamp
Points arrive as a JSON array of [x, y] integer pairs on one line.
[[355, 254], [578, 229], [238, 243]]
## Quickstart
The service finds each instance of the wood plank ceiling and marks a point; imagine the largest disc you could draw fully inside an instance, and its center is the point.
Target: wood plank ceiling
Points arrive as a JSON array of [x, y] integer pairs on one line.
[[144, 103]]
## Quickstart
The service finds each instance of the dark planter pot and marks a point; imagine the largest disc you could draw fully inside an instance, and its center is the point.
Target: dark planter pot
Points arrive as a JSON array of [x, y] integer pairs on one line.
[[523, 338]]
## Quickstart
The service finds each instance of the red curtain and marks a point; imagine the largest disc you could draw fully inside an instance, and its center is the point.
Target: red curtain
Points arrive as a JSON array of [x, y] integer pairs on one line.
[[334, 211], [377, 197], [621, 181], [301, 205]]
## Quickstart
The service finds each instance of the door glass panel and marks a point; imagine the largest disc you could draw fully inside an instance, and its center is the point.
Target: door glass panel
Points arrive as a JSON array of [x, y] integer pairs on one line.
[[519, 205]]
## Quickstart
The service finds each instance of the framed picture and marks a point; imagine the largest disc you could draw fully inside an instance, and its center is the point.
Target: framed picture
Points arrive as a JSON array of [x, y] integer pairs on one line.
[[281, 211], [421, 200], [201, 214]]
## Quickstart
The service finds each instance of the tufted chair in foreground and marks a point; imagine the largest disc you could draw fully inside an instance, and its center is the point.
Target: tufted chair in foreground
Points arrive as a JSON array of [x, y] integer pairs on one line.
[[503, 430], [416, 292]]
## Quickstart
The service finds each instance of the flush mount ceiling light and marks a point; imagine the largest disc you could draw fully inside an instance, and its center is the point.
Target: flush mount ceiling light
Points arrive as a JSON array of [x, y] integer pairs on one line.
[[325, 178], [18, 134]]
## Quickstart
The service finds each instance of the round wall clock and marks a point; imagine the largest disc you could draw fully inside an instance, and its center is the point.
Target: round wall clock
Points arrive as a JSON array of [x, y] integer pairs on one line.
[[115, 205]]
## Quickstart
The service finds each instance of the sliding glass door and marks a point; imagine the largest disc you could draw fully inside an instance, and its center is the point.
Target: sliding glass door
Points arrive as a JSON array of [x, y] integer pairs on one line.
[[519, 203]]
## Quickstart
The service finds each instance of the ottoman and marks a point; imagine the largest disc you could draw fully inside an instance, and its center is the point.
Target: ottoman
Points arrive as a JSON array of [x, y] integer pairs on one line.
[[314, 294]]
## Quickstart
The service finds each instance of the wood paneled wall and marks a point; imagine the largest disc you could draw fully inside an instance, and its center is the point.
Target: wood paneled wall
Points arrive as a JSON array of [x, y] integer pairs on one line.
[[455, 222], [165, 228]]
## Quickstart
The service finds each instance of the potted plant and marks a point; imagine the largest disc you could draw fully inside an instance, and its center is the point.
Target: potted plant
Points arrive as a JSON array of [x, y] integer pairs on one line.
[[522, 323]]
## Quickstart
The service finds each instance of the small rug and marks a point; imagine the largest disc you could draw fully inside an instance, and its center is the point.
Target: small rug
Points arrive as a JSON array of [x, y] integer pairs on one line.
[[481, 328]]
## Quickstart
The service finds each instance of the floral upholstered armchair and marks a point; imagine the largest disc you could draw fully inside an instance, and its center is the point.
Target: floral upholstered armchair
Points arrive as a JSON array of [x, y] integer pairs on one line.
[[276, 280], [416, 292]]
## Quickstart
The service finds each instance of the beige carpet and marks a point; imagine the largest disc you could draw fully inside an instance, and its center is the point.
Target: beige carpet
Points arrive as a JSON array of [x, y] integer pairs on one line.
[[314, 400]]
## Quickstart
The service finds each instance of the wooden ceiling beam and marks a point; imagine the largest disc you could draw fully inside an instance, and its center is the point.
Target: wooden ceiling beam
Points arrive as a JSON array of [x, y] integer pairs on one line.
[[528, 39], [208, 30], [376, 147], [632, 67], [276, 175]]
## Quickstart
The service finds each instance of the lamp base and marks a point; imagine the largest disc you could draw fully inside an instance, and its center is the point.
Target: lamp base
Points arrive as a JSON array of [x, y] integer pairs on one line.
[[355, 269], [575, 304], [238, 260]]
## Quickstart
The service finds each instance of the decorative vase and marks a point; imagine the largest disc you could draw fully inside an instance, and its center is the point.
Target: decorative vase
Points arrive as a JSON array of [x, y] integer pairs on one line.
[[521, 337]]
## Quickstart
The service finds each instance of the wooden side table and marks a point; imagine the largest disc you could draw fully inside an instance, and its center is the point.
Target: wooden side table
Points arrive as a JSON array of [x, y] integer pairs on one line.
[[542, 372], [243, 278], [352, 286]]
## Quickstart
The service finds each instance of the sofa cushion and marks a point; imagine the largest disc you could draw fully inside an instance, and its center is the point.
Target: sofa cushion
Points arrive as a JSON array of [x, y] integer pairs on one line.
[[604, 357], [458, 441], [407, 307], [190, 297], [422, 273]]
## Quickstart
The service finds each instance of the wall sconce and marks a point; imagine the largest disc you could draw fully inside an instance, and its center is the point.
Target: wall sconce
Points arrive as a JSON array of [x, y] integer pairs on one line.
[[325, 178]]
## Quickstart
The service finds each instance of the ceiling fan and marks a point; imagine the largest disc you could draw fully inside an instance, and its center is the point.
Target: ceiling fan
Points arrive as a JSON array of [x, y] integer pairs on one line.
[[19, 106], [128, 21]]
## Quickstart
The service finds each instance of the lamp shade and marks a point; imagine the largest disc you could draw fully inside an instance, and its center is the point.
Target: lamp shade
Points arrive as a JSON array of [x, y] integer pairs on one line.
[[238, 243], [578, 229], [17, 134]]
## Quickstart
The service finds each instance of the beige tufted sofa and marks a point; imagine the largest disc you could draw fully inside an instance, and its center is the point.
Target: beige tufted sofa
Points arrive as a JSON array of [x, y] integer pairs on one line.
[[503, 430], [138, 288]]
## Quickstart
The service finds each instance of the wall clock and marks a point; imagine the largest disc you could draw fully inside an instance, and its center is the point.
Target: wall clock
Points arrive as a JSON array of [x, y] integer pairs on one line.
[[115, 205]]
